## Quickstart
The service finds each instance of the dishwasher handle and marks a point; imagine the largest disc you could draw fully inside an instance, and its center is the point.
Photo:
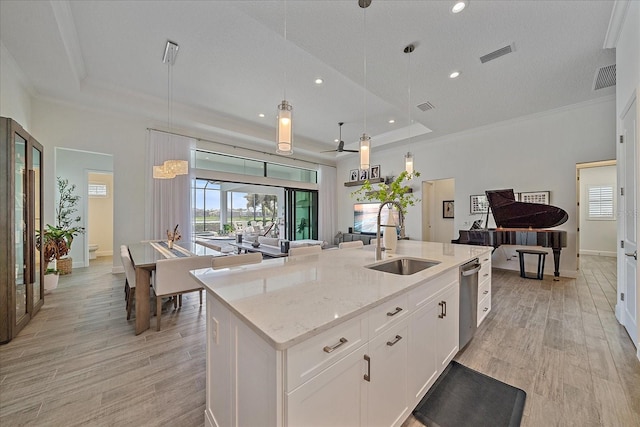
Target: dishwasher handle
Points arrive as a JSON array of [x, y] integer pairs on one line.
[[471, 271]]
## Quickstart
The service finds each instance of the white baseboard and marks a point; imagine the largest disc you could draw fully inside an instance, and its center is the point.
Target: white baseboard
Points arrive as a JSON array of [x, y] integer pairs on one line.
[[117, 269], [104, 253], [598, 253]]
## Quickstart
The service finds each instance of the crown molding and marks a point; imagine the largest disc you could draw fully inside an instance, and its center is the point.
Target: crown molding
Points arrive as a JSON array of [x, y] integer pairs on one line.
[[616, 22], [69, 35]]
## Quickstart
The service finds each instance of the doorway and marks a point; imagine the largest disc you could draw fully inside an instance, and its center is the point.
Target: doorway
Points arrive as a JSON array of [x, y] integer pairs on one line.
[[99, 214], [597, 204], [438, 210]]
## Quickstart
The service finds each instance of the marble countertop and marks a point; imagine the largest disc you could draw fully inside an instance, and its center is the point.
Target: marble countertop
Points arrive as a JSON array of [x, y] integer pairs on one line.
[[288, 300]]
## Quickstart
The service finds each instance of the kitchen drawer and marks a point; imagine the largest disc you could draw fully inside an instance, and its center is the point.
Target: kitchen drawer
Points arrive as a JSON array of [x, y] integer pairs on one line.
[[307, 359], [388, 313], [424, 293], [485, 272], [484, 307], [484, 289]]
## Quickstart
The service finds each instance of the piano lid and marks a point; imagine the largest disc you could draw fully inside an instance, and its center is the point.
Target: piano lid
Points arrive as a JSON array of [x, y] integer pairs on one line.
[[509, 213]]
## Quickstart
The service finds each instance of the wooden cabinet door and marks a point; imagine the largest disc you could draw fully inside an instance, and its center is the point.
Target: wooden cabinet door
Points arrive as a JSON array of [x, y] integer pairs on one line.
[[423, 356], [387, 403], [448, 321], [334, 397]]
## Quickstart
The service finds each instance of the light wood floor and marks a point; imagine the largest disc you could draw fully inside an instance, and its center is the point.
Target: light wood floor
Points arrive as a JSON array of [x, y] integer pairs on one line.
[[79, 363]]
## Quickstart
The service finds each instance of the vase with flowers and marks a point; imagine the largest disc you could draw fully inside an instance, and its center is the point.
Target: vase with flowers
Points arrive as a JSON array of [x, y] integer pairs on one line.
[[173, 236]]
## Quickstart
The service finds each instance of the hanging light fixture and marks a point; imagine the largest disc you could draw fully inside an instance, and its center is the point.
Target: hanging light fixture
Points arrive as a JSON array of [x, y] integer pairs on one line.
[[284, 133], [365, 140], [408, 158], [170, 168]]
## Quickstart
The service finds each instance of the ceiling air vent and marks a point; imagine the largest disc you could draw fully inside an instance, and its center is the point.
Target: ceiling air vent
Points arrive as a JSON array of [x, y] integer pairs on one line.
[[497, 53], [426, 106], [605, 77]]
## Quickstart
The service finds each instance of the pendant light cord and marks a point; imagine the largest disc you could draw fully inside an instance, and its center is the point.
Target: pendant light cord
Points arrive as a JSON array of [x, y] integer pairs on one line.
[[286, 46], [409, 96], [365, 69]]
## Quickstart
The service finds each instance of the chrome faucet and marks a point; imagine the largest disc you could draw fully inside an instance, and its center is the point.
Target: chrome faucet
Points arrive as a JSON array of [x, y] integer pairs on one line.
[[401, 217]]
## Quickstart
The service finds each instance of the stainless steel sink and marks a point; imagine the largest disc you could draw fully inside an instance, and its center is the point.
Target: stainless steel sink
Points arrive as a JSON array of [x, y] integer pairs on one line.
[[403, 266]]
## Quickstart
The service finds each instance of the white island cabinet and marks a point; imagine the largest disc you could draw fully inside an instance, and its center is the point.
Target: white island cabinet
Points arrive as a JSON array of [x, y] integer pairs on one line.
[[322, 340]]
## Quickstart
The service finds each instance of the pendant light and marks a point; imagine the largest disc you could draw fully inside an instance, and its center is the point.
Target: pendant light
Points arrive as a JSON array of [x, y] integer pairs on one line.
[[284, 132], [170, 168], [408, 158], [365, 140]]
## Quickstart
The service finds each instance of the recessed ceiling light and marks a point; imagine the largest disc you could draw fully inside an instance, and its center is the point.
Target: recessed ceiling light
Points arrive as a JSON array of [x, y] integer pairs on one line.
[[454, 74], [392, 121], [261, 115], [336, 140], [459, 6], [319, 81]]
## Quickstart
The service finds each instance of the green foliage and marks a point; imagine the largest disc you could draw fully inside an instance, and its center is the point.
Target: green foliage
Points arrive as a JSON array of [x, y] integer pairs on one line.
[[55, 241], [396, 191]]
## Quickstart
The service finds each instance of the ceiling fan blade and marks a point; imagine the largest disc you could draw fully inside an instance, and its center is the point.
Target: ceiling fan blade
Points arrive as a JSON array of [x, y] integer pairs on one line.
[[350, 151], [328, 151]]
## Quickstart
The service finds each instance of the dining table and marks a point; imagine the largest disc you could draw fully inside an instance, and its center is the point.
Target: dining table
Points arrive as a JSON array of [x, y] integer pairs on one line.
[[144, 256]]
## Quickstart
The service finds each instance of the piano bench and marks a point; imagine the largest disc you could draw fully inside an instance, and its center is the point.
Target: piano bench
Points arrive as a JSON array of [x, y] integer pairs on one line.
[[541, 258]]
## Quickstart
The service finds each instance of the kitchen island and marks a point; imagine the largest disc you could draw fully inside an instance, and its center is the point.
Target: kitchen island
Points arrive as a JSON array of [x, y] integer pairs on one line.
[[324, 340]]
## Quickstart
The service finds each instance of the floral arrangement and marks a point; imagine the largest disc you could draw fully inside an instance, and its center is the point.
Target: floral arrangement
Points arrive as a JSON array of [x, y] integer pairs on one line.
[[174, 235]]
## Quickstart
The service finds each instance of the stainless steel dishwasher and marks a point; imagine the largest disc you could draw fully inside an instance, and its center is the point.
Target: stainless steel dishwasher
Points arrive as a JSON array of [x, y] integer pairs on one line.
[[468, 301]]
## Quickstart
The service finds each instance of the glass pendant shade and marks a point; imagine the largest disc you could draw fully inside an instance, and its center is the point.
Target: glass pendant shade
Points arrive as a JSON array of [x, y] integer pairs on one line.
[[177, 167], [408, 162], [365, 146], [159, 172], [284, 129]]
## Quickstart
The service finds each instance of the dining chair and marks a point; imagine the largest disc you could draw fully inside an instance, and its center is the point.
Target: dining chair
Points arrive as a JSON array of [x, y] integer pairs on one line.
[[172, 279], [236, 260], [130, 278], [304, 250], [354, 244]]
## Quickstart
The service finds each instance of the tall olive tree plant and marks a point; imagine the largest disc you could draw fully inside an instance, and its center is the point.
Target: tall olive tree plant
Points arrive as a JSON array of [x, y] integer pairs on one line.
[[55, 241]]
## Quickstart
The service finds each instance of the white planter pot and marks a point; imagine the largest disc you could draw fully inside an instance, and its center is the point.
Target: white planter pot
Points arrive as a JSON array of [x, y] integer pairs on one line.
[[50, 282]]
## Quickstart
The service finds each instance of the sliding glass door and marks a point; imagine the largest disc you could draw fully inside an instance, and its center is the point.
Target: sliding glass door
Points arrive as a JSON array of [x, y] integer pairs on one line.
[[301, 214]]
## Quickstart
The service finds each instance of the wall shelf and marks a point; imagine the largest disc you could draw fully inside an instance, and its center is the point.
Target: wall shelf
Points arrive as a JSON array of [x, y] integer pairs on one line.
[[356, 183]]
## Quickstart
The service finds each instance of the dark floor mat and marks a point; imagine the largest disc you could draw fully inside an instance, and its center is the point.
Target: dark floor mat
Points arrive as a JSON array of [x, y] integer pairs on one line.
[[464, 397]]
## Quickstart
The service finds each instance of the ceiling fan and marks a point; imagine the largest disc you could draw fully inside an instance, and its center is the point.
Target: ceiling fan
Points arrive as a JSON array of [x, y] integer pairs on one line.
[[341, 148]]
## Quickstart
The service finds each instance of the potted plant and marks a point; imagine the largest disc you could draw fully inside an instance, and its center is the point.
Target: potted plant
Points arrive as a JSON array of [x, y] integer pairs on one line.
[[397, 190], [55, 241]]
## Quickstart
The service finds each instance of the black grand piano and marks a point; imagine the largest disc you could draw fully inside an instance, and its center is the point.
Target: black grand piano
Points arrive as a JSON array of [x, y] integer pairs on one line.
[[520, 223]]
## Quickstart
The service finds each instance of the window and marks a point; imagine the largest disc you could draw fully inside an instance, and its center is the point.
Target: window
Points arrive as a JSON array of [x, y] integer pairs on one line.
[[600, 202], [98, 189]]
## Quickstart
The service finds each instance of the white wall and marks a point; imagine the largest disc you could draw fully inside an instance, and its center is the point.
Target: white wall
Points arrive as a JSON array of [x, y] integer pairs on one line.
[[124, 138], [100, 216], [15, 101], [597, 237], [534, 153]]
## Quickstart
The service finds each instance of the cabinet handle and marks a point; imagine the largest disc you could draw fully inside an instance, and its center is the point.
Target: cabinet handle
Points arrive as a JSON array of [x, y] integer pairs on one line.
[[367, 376], [329, 349], [392, 343], [485, 260], [486, 308], [398, 310], [485, 292], [486, 275], [443, 309]]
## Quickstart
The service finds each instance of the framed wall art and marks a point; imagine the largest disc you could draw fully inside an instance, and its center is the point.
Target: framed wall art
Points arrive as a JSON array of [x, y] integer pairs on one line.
[[447, 209], [354, 174], [364, 174], [478, 204], [374, 172], [541, 197]]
